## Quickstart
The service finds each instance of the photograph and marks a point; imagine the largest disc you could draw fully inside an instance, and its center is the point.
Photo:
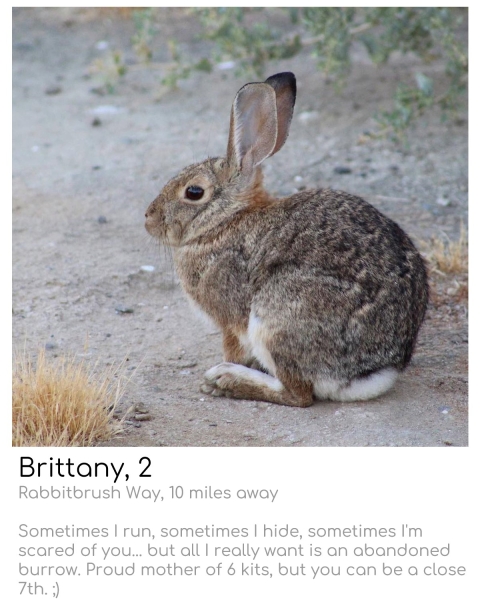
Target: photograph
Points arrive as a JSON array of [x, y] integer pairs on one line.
[[240, 227]]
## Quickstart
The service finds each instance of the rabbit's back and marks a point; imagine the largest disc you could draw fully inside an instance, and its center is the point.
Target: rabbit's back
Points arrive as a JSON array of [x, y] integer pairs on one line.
[[334, 279]]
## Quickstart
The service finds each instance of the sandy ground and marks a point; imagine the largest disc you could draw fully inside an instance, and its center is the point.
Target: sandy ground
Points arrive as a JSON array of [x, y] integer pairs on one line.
[[86, 166]]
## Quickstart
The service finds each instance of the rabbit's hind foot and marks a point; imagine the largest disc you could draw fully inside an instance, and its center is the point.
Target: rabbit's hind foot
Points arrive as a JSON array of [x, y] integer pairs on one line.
[[238, 381]]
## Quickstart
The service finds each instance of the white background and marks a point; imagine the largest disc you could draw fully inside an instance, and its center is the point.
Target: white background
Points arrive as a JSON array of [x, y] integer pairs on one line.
[[435, 489]]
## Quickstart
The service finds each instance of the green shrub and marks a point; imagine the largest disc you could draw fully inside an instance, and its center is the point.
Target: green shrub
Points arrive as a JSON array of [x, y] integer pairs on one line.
[[253, 37]]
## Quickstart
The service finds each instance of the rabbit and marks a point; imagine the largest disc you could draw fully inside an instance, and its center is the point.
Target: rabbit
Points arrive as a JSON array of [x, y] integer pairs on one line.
[[318, 295]]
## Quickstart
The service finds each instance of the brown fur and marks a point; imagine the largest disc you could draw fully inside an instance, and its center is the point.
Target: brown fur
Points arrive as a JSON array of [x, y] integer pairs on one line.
[[298, 394], [333, 291], [233, 350]]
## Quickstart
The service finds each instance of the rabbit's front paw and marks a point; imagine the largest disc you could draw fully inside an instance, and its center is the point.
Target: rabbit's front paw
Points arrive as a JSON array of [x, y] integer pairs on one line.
[[220, 380]]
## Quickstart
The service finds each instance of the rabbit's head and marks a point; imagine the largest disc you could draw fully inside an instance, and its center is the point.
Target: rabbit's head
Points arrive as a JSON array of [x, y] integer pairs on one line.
[[206, 194]]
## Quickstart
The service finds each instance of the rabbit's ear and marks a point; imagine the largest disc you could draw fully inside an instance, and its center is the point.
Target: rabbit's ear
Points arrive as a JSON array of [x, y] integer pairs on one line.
[[260, 119], [253, 126], [285, 86]]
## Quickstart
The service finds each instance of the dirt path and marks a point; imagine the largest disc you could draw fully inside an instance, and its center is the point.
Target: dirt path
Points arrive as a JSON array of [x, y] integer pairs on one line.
[[86, 166]]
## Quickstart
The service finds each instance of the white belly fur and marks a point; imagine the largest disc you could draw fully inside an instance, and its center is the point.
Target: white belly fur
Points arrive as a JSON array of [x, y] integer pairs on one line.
[[256, 336]]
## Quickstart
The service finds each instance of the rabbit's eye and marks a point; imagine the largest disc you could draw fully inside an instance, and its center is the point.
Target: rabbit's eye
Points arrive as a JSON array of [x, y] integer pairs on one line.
[[194, 192]]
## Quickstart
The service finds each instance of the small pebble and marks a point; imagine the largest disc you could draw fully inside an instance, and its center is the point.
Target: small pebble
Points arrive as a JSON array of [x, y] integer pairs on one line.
[[102, 220], [140, 407], [124, 309], [50, 346], [224, 66], [342, 170], [443, 201], [139, 417], [53, 90], [308, 115], [101, 45], [96, 122], [147, 268], [106, 109]]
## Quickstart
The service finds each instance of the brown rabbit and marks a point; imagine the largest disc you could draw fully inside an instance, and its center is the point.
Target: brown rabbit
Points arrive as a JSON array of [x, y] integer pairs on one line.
[[317, 295]]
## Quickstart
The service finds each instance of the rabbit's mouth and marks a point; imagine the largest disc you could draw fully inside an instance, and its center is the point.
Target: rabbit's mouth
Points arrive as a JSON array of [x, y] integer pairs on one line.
[[155, 222], [156, 226]]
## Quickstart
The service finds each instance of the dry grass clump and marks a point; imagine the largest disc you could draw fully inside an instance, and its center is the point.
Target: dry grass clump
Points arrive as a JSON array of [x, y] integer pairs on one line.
[[61, 403], [447, 256], [448, 265]]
